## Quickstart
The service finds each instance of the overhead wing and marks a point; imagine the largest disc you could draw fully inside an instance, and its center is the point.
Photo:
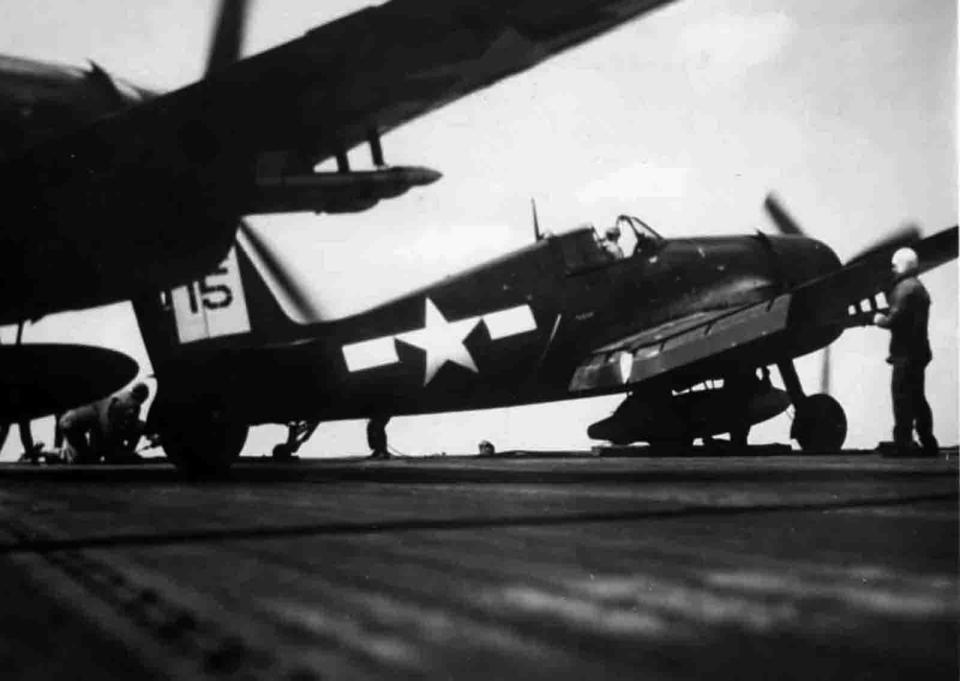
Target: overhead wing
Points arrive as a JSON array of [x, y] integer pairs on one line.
[[383, 66], [368, 72], [149, 196], [815, 309]]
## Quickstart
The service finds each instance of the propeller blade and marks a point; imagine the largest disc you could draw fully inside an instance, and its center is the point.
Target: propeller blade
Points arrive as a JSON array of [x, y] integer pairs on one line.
[[295, 293], [781, 218], [898, 238], [228, 34]]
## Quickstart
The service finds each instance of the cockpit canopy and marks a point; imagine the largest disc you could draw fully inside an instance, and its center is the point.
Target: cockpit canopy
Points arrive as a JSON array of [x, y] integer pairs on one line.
[[627, 237]]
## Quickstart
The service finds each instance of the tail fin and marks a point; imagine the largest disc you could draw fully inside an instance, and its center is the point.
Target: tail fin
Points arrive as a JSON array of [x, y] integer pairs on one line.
[[243, 297], [213, 306]]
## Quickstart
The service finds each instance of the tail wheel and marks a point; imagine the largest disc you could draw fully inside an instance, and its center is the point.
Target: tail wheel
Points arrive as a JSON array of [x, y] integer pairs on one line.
[[820, 424], [201, 441]]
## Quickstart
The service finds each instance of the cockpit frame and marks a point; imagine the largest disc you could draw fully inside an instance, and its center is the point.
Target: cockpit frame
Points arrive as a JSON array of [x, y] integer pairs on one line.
[[647, 238]]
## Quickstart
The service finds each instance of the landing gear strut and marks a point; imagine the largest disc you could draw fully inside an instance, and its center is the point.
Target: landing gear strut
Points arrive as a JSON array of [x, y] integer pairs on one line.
[[377, 437], [820, 423], [298, 432]]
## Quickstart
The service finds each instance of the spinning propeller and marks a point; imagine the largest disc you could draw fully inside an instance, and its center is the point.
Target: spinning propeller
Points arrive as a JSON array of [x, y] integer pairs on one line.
[[227, 35], [296, 294], [882, 248], [225, 47]]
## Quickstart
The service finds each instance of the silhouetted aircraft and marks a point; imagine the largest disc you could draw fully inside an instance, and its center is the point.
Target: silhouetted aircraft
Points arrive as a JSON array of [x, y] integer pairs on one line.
[[563, 317], [111, 191]]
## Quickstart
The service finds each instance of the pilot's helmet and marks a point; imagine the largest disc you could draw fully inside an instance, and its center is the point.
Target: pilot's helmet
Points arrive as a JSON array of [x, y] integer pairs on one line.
[[904, 261], [613, 232], [140, 392]]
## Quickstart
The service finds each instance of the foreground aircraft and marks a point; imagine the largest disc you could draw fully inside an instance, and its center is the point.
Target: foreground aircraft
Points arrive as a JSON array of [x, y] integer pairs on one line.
[[112, 191], [560, 318]]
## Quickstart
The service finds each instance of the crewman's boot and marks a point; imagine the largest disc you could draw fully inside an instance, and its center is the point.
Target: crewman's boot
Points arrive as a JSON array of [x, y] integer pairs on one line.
[[930, 447]]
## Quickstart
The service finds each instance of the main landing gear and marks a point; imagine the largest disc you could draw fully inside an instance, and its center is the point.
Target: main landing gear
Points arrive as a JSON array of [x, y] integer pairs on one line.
[[820, 423], [202, 438], [377, 437], [298, 432]]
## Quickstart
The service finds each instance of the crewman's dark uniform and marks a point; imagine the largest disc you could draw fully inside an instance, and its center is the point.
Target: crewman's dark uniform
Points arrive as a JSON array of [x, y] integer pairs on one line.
[[377, 437], [77, 426], [121, 428], [909, 354]]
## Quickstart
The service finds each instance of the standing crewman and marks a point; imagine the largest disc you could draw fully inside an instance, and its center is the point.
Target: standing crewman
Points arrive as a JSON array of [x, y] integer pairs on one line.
[[910, 353]]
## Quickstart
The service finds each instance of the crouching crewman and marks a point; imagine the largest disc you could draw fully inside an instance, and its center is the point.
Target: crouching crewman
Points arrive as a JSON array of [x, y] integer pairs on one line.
[[107, 430]]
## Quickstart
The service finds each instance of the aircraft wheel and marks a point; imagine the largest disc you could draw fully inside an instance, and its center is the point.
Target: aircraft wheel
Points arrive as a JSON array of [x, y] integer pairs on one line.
[[282, 452], [820, 424], [738, 437], [201, 442]]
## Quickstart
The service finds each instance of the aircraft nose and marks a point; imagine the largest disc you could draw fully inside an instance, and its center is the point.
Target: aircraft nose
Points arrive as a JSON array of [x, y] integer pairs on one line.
[[805, 259]]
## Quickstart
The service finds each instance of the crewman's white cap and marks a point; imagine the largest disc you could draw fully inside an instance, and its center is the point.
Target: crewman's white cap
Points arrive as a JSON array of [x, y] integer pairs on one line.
[[905, 260]]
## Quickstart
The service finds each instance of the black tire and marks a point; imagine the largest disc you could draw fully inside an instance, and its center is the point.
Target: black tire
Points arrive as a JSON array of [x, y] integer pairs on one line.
[[282, 452], [201, 442], [739, 437], [820, 424]]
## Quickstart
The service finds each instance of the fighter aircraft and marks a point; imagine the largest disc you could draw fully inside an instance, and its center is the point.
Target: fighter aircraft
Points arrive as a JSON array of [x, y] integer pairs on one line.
[[562, 317], [112, 191]]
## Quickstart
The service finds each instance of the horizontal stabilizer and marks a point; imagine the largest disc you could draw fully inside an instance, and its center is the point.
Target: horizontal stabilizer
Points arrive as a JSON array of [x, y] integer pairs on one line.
[[43, 379]]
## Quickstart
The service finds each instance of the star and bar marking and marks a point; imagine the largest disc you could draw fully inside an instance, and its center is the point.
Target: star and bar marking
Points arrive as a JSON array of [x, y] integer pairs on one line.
[[441, 339]]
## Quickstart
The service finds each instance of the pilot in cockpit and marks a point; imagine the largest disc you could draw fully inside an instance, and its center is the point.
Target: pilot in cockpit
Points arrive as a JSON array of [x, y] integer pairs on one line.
[[611, 243]]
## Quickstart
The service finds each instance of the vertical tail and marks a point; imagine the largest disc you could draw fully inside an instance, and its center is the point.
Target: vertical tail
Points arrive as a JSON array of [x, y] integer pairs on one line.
[[249, 298]]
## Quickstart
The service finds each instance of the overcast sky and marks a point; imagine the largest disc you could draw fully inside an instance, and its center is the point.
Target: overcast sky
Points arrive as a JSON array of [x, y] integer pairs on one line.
[[686, 118]]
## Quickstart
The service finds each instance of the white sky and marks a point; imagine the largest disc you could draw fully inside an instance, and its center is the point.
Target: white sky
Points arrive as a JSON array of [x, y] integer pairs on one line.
[[686, 118]]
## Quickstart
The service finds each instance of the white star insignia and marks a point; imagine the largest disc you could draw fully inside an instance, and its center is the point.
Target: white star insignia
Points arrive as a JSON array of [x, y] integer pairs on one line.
[[442, 341]]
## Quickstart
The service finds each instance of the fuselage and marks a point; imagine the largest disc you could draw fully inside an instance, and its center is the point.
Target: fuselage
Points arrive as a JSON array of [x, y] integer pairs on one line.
[[511, 331]]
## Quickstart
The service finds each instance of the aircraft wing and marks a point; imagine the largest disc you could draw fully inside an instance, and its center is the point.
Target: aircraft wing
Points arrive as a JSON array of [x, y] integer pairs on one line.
[[677, 344], [367, 73], [149, 196], [839, 300]]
